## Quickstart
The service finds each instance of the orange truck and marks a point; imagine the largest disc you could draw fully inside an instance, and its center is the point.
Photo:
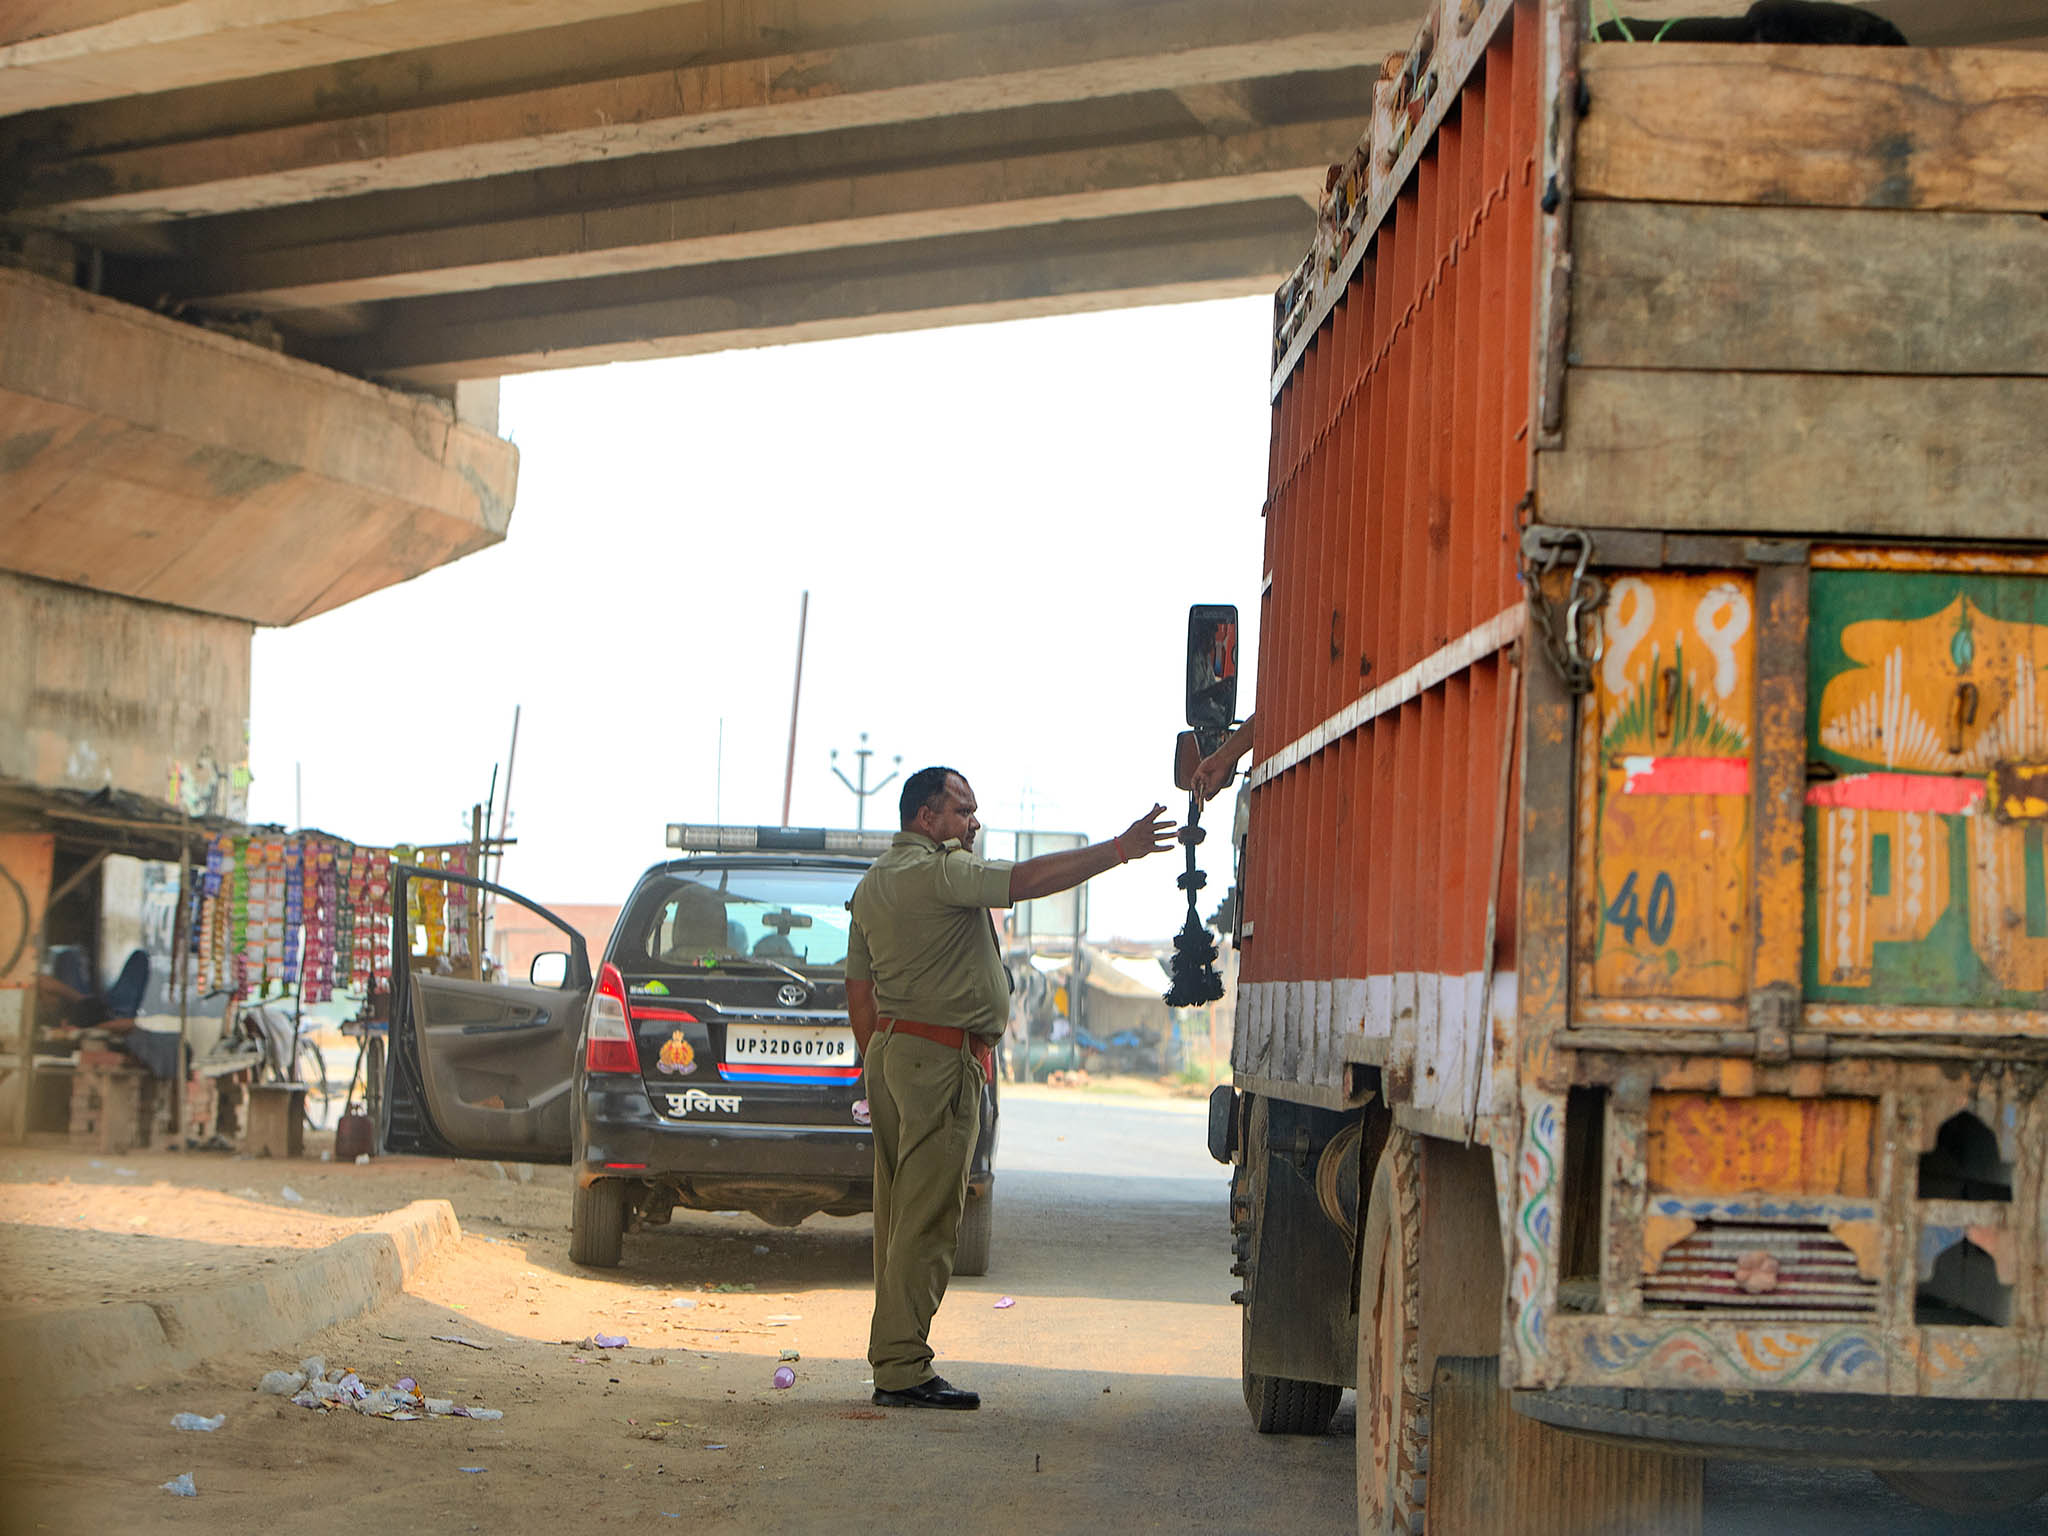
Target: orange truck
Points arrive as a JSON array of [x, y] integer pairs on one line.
[[1642, 911]]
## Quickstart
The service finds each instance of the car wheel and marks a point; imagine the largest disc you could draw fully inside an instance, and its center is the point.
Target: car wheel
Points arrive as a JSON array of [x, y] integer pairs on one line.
[[597, 1223], [977, 1233]]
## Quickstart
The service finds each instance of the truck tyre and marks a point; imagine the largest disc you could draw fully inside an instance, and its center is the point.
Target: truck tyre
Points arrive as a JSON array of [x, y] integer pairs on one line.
[[1282, 1406], [1393, 1408], [1279, 1405], [977, 1233], [597, 1223], [1987, 1491]]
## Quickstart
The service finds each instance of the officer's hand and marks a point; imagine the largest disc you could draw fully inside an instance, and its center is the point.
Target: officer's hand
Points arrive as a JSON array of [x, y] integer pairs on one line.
[[1211, 774], [1150, 833]]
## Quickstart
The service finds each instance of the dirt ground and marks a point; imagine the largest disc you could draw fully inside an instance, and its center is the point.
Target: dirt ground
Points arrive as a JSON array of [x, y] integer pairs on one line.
[[1110, 1381], [1111, 1399]]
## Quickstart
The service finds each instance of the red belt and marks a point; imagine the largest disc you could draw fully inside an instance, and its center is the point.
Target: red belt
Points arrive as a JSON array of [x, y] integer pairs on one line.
[[945, 1034]]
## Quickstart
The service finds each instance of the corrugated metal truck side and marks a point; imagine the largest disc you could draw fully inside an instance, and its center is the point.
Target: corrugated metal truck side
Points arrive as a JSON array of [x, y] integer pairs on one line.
[[1643, 910]]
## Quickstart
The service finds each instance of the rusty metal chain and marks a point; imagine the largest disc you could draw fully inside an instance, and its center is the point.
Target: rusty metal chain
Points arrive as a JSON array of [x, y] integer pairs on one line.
[[1562, 626]]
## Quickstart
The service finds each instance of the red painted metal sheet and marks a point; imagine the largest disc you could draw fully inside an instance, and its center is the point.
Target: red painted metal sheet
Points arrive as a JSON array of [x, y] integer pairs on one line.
[[1399, 463]]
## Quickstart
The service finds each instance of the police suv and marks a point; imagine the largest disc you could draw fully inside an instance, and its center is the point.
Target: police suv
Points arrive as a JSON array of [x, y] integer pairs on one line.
[[705, 1061]]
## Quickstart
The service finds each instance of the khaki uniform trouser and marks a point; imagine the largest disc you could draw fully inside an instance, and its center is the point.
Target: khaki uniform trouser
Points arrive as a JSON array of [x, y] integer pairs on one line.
[[925, 1103]]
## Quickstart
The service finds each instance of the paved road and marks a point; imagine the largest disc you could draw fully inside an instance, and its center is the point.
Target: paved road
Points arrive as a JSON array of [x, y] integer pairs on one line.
[[1158, 1155], [1111, 1391]]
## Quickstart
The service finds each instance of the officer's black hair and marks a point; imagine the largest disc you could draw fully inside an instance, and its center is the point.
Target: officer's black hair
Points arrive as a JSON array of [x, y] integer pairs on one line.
[[923, 788]]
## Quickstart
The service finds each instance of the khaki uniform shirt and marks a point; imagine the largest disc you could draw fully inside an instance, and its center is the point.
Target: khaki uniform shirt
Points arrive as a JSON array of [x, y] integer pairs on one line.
[[921, 934]]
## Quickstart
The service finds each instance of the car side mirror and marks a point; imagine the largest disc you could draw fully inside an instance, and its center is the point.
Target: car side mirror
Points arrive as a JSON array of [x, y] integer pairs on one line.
[[1212, 674], [549, 970]]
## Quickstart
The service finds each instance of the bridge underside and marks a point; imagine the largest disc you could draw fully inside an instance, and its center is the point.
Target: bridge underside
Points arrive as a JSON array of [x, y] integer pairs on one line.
[[423, 191], [577, 181]]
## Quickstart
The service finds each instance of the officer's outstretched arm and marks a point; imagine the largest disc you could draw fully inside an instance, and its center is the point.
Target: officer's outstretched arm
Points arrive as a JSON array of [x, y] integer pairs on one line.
[[1062, 871]]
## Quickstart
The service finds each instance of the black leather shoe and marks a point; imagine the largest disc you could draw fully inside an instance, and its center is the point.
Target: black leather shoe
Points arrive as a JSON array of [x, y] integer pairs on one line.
[[936, 1393]]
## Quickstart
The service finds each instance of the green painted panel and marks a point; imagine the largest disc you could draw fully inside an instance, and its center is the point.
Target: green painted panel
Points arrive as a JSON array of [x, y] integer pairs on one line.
[[1918, 685]]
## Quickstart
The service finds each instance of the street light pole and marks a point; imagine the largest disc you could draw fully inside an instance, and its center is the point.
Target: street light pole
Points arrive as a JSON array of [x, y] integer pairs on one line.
[[860, 790]]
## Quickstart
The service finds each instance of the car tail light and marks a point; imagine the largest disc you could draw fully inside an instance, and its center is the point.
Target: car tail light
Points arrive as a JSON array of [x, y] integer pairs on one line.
[[610, 1037], [664, 1015]]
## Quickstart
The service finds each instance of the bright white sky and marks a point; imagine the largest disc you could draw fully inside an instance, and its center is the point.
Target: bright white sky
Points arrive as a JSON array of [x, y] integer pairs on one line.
[[1001, 528]]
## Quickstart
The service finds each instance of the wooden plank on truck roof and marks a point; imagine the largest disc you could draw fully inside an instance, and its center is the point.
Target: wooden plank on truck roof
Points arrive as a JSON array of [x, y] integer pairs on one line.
[[1808, 453], [1957, 128], [1828, 290]]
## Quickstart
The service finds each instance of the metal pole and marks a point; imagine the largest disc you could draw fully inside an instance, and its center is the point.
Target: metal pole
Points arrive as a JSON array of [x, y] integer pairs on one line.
[[860, 790], [474, 922], [497, 873], [490, 813], [796, 697], [718, 779], [505, 810], [181, 978]]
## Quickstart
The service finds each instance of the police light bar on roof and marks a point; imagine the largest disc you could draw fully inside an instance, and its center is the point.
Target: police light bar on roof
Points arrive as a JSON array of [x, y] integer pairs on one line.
[[702, 839]]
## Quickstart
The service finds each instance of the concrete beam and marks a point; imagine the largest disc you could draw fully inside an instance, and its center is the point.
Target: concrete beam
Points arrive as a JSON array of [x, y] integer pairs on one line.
[[54, 55], [1225, 107], [158, 461], [102, 691], [874, 208], [1159, 45], [1173, 257]]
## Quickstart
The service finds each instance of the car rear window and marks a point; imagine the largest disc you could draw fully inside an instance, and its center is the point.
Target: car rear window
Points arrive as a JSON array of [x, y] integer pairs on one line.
[[793, 917]]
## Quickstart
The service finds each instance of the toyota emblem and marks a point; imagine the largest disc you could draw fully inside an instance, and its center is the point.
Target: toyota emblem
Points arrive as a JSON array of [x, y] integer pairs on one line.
[[792, 995]]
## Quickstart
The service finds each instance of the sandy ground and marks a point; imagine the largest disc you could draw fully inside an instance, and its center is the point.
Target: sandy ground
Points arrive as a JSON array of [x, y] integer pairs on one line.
[[72, 1243], [1110, 1383], [1112, 1401]]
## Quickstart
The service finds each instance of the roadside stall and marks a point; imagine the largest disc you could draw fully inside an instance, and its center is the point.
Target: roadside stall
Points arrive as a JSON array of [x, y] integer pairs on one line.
[[169, 978], [66, 1010]]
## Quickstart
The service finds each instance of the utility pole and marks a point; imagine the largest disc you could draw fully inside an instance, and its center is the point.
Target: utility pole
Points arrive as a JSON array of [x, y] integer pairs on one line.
[[796, 697], [860, 790]]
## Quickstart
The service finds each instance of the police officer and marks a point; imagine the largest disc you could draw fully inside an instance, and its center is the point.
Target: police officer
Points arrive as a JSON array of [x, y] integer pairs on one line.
[[927, 997]]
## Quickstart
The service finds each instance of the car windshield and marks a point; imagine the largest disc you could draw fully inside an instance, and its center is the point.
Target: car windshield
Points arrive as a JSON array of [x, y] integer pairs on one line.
[[785, 917]]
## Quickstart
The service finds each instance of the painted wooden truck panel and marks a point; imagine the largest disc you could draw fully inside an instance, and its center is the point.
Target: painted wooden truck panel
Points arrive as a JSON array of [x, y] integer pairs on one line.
[[1736, 953]]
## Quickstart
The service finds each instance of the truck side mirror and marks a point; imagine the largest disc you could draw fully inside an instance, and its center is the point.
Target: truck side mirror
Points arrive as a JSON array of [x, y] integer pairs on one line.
[[1187, 757], [1212, 673]]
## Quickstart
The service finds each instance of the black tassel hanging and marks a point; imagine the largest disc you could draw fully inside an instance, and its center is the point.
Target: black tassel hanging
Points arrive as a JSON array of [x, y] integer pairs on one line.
[[1195, 981]]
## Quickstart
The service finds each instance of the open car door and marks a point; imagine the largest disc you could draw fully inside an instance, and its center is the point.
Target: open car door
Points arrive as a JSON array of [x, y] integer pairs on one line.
[[481, 1068]]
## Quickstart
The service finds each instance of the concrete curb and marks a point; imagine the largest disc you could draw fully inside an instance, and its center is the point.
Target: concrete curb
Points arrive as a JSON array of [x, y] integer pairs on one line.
[[87, 1350]]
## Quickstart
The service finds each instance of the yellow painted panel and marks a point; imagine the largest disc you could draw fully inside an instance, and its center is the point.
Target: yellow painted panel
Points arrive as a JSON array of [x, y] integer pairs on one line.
[[1699, 1144], [1956, 692], [1675, 693]]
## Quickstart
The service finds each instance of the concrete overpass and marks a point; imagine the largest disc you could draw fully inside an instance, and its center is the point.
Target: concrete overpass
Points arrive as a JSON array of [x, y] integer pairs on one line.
[[426, 191], [423, 191]]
